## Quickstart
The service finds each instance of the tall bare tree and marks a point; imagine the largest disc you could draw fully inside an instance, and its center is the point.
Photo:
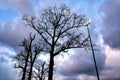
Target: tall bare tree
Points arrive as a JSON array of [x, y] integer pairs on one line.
[[60, 30], [27, 57]]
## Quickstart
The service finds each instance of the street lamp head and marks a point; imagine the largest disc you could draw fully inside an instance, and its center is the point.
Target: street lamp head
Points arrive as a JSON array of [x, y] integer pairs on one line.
[[87, 22]]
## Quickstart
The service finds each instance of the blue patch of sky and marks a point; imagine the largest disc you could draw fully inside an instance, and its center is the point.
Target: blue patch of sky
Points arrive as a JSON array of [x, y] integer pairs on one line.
[[84, 6], [90, 7], [36, 2], [7, 15]]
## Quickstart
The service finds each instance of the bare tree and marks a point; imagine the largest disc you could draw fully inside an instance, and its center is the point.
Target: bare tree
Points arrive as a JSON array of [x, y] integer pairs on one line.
[[60, 30], [41, 70], [27, 57]]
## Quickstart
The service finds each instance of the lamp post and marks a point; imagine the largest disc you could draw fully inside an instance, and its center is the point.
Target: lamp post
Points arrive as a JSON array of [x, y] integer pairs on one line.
[[96, 68]]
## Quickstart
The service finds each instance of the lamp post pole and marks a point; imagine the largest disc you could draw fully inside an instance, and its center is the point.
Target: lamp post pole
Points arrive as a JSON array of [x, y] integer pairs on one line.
[[96, 68]]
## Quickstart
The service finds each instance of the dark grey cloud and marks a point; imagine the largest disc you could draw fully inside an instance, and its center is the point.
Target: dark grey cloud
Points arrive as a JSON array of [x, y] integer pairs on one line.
[[111, 25], [82, 63], [111, 74], [12, 33], [70, 78]]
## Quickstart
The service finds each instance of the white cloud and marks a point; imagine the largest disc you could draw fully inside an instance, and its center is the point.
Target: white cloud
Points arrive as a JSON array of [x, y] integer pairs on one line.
[[23, 6], [7, 72], [112, 62]]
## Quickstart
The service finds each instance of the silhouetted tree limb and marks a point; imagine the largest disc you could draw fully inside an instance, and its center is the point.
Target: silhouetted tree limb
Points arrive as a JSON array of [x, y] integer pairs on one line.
[[26, 58], [41, 70]]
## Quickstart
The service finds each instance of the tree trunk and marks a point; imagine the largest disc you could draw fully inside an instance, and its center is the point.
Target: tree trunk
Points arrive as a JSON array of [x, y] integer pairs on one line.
[[40, 79], [51, 64], [23, 76], [30, 73], [31, 67], [24, 70]]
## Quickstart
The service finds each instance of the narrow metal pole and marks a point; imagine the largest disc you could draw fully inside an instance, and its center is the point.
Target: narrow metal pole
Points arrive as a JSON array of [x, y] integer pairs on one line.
[[97, 72]]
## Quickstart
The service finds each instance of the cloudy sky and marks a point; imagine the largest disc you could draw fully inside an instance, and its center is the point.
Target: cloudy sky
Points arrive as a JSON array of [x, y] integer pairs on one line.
[[105, 32]]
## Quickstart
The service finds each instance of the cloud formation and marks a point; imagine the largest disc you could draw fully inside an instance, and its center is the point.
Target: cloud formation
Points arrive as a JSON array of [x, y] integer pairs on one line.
[[23, 6], [82, 63], [113, 70], [111, 25], [7, 72], [70, 78], [6, 69], [12, 33]]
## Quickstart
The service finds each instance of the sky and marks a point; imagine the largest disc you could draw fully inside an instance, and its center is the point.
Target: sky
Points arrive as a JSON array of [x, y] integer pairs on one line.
[[104, 30]]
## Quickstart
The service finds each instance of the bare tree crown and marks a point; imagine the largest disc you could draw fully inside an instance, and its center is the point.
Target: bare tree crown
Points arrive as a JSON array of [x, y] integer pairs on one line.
[[59, 29]]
